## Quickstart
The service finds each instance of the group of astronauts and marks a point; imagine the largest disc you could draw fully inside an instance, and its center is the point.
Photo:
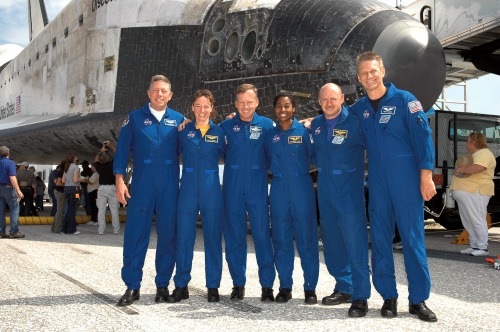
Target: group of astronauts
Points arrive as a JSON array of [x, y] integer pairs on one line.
[[388, 123]]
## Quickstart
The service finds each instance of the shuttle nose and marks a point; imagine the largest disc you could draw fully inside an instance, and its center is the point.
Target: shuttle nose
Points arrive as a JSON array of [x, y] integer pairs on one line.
[[414, 59]]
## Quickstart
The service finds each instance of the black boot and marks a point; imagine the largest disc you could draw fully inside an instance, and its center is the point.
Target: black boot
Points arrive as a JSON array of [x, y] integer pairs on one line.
[[178, 294], [238, 293], [129, 297], [358, 308], [213, 295], [284, 295], [267, 295], [161, 294]]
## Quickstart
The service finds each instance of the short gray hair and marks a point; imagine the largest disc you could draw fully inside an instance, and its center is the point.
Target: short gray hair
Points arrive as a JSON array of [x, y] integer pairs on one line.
[[4, 151]]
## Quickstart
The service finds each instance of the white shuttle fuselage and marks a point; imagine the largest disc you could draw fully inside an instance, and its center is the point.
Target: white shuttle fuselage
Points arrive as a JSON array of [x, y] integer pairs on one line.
[[71, 87]]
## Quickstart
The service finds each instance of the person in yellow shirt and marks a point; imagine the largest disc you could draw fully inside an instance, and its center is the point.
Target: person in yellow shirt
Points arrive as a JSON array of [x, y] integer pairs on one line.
[[472, 187]]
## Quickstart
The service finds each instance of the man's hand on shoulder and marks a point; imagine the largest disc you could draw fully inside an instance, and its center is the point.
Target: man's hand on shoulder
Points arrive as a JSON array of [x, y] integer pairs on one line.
[[183, 124], [306, 122]]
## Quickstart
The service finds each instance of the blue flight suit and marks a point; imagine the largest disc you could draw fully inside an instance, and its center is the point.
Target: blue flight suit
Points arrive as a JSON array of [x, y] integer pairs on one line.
[[399, 145], [293, 205], [154, 188], [245, 190], [341, 171], [200, 191]]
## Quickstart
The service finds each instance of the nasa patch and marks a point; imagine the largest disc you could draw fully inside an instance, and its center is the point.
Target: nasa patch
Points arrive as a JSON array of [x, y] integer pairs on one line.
[[295, 140], [170, 123], [191, 134], [236, 128], [366, 114], [211, 139], [388, 110], [276, 138], [148, 122], [125, 122], [317, 131], [384, 119], [414, 106]]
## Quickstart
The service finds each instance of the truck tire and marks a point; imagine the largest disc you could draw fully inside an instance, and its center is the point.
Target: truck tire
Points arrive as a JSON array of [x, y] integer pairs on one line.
[[450, 219]]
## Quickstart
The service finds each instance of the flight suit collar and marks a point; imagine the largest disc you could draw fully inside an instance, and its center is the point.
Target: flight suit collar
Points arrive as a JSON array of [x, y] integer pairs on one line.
[[146, 111], [344, 113], [255, 119], [192, 125], [295, 124]]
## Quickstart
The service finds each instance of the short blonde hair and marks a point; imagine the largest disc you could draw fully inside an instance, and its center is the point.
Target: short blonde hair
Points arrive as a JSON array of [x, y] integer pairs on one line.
[[161, 78], [246, 87], [369, 56]]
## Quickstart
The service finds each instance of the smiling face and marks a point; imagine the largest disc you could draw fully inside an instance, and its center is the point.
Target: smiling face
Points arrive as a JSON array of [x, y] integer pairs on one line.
[[284, 109], [159, 95], [371, 76], [246, 103], [202, 108], [331, 99]]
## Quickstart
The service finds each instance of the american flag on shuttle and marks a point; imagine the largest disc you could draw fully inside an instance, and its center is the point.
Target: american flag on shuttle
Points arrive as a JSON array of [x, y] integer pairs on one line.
[[18, 104]]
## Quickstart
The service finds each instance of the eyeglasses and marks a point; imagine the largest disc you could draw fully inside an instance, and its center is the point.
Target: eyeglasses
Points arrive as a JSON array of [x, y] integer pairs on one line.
[[434, 214]]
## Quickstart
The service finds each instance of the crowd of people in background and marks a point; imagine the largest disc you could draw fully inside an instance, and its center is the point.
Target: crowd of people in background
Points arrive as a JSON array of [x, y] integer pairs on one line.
[[68, 187]]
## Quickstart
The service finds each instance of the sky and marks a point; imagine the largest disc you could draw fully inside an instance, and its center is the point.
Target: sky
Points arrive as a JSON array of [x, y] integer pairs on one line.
[[482, 94]]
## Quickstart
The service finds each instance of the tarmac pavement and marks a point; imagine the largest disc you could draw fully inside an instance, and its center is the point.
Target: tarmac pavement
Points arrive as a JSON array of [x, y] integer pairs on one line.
[[58, 282]]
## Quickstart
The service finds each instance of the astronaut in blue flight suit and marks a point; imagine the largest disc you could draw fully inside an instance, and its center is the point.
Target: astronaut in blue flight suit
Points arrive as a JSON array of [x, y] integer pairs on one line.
[[339, 148], [149, 136], [400, 164], [292, 200], [245, 191], [202, 144]]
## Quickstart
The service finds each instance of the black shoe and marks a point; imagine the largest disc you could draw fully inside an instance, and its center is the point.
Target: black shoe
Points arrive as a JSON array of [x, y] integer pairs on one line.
[[161, 294], [284, 295], [178, 294], [238, 293], [423, 312], [310, 297], [267, 295], [213, 295], [389, 308], [337, 298], [358, 308], [17, 235], [129, 297]]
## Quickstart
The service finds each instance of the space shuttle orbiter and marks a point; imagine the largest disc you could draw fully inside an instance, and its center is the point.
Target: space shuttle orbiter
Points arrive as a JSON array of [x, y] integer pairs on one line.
[[71, 87]]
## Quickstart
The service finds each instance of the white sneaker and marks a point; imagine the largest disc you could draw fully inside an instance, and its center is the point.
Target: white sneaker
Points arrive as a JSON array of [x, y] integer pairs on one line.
[[397, 246], [467, 251], [77, 232], [91, 223], [479, 252]]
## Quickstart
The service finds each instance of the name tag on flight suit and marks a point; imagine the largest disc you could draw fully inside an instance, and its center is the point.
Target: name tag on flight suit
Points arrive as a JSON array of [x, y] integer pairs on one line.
[[295, 140], [211, 139]]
